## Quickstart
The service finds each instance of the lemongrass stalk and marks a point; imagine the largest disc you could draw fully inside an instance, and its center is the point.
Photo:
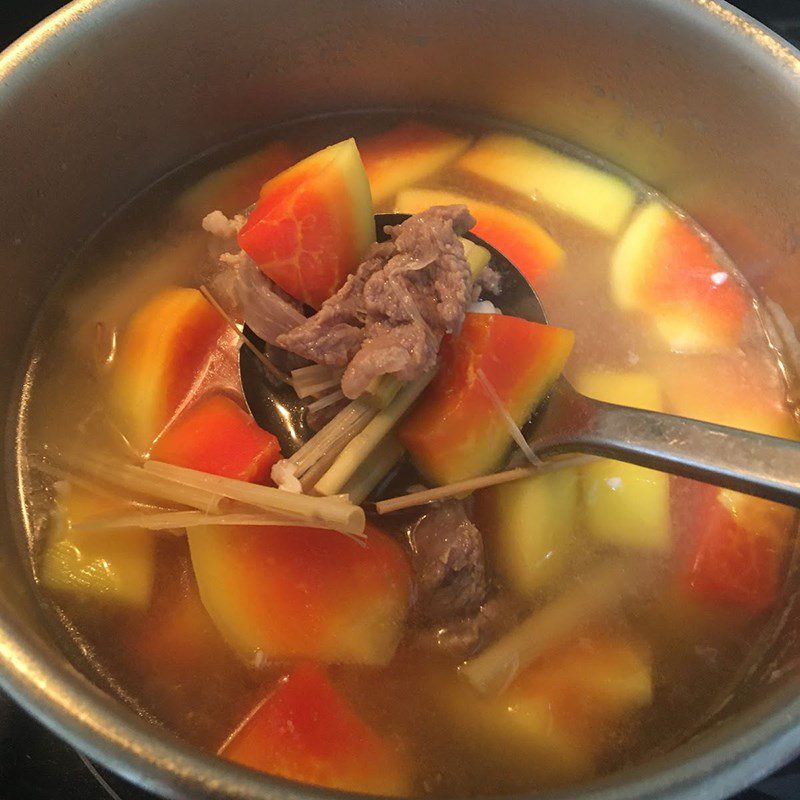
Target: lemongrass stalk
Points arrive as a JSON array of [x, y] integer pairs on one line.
[[598, 593], [181, 519], [134, 479], [307, 390], [382, 390], [362, 445], [375, 467], [477, 257], [320, 511], [326, 400], [466, 487], [353, 416]]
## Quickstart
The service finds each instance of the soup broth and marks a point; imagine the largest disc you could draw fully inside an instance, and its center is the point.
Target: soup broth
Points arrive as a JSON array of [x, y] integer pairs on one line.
[[681, 648]]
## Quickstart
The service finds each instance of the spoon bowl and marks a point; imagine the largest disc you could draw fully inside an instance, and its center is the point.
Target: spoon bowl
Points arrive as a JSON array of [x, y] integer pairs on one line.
[[569, 422]]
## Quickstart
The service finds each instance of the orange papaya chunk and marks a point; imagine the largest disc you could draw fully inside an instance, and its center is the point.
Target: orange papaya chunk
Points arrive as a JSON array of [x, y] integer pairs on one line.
[[664, 269], [312, 224], [161, 354], [456, 431], [305, 730], [563, 711], [733, 548], [234, 187], [216, 435], [528, 246], [407, 154], [296, 592]]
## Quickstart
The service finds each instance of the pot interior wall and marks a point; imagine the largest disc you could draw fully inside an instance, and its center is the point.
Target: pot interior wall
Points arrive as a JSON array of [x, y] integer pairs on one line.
[[682, 94]]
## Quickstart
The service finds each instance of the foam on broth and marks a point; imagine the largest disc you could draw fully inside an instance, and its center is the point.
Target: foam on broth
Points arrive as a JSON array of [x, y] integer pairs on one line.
[[149, 245]]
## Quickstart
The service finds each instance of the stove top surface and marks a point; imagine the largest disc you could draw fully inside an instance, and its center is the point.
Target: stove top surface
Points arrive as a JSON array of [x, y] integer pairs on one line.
[[37, 765]]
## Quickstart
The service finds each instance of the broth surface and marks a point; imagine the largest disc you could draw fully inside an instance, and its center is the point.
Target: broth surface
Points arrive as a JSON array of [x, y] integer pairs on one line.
[[199, 689]]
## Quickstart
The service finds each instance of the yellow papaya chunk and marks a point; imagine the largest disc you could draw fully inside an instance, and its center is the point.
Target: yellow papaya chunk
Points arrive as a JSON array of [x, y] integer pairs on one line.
[[625, 504], [593, 197], [115, 566]]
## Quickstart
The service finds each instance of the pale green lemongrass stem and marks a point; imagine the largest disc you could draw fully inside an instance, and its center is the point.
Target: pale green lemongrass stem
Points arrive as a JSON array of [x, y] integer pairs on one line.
[[135, 479], [180, 519], [326, 400], [330, 431], [465, 487], [321, 511], [353, 417], [303, 390], [375, 467], [596, 594], [314, 373], [362, 445], [316, 470]]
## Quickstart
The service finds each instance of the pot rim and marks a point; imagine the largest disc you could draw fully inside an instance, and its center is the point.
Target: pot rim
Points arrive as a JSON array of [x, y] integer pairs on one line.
[[748, 747]]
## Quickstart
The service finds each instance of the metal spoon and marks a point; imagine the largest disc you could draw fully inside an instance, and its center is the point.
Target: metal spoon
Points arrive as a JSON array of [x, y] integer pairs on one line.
[[569, 422]]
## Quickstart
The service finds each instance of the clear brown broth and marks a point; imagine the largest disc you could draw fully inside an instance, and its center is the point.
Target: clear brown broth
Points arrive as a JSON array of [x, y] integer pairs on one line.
[[145, 246]]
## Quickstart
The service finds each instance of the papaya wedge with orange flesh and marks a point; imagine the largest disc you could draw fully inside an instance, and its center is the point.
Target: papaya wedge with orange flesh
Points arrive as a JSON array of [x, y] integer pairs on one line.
[[294, 592], [733, 548], [407, 154], [664, 269], [162, 353], [305, 730], [456, 430], [563, 711], [519, 238], [233, 188], [312, 224], [216, 435], [595, 198]]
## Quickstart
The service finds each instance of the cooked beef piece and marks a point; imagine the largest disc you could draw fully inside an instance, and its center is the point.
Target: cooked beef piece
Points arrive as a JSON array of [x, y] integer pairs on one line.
[[463, 638], [447, 563], [391, 314]]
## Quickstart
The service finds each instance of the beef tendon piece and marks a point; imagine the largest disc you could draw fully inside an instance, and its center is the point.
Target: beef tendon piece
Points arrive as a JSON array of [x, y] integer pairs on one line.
[[448, 565]]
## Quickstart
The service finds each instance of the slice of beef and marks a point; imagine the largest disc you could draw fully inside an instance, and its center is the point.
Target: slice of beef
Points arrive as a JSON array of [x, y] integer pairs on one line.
[[391, 314], [464, 637], [448, 566]]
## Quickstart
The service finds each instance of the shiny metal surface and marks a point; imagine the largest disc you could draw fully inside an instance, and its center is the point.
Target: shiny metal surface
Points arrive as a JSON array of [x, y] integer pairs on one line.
[[108, 95]]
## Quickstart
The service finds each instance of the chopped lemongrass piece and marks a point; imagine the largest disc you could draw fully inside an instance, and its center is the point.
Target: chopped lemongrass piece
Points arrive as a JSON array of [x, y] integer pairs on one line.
[[270, 367], [327, 400], [513, 428], [314, 379], [313, 389], [183, 519], [477, 257], [137, 480], [352, 418], [325, 512], [382, 390], [362, 445], [597, 593], [375, 467], [465, 487]]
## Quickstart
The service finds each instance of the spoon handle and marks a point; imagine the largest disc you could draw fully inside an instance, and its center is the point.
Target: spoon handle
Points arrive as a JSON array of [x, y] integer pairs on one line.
[[753, 463]]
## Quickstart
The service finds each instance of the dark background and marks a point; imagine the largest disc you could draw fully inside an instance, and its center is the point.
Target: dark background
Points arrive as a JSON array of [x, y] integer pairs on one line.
[[35, 765]]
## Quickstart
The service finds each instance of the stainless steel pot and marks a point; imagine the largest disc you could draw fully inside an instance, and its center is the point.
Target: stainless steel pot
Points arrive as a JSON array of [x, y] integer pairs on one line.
[[108, 95]]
